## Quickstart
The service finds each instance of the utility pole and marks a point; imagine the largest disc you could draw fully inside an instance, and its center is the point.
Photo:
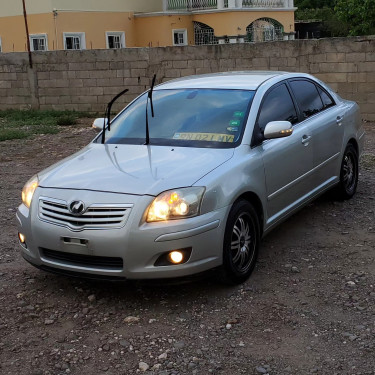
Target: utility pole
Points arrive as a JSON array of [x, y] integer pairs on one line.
[[27, 34]]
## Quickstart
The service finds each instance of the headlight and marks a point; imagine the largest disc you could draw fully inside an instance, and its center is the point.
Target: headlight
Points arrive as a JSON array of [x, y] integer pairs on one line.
[[28, 190], [176, 204]]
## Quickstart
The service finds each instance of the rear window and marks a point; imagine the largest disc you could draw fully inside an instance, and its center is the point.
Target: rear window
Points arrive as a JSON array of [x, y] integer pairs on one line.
[[188, 117], [307, 97], [327, 100]]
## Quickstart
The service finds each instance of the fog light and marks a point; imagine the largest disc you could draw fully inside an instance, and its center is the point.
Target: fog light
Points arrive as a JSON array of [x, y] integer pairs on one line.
[[176, 257], [22, 238]]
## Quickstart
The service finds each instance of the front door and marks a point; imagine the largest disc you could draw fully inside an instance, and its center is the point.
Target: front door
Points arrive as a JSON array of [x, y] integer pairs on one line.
[[287, 161]]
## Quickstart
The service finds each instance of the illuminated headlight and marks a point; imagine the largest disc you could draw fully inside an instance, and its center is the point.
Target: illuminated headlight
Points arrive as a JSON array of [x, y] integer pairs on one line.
[[28, 190], [176, 204]]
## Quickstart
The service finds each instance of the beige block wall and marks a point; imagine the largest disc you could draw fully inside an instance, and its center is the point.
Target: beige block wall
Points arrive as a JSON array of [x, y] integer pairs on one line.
[[87, 80]]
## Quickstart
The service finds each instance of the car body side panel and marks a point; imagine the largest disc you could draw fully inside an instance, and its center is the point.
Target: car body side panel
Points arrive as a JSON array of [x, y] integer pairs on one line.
[[288, 164], [327, 139], [242, 174]]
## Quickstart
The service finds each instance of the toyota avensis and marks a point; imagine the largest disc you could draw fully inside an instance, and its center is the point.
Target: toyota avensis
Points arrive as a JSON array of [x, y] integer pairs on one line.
[[190, 176]]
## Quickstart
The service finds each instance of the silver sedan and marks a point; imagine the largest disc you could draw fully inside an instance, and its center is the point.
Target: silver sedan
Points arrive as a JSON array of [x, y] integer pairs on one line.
[[190, 176]]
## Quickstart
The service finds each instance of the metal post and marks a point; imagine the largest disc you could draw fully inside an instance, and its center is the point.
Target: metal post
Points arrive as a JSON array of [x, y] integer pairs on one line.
[[27, 34]]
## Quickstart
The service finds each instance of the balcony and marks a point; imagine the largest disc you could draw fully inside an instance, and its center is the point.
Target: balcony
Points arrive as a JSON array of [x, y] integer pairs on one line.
[[198, 5]]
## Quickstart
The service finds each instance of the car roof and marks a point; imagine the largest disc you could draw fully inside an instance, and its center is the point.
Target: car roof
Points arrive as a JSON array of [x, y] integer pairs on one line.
[[247, 80]]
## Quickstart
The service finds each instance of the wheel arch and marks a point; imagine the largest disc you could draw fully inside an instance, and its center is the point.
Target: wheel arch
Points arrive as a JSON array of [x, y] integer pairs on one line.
[[353, 141], [254, 199]]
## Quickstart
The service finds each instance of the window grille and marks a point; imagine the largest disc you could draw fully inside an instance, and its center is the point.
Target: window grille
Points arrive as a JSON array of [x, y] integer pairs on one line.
[[264, 30], [204, 34]]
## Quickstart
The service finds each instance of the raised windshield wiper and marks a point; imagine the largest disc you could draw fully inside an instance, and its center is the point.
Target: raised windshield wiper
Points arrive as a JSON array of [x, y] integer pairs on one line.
[[149, 96], [107, 115]]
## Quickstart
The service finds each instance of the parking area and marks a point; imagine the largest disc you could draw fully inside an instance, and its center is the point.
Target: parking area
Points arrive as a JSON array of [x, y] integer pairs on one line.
[[309, 306]]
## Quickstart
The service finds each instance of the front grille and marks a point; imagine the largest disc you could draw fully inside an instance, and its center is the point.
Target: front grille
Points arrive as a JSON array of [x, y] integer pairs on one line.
[[96, 216], [88, 261]]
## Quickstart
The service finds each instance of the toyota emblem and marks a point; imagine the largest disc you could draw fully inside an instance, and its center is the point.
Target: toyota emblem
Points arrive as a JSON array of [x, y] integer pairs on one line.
[[77, 208]]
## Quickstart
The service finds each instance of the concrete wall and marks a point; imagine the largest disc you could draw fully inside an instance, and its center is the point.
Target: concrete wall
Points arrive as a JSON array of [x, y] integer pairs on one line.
[[87, 80]]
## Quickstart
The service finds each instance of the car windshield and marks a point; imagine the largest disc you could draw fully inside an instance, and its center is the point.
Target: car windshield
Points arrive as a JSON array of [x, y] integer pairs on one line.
[[189, 118]]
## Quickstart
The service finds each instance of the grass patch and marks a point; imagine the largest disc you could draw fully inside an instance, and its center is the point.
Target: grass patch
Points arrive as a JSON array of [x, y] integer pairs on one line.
[[16, 124]]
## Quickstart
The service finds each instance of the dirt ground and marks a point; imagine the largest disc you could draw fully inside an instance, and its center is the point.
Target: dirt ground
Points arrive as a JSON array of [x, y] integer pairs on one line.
[[309, 306]]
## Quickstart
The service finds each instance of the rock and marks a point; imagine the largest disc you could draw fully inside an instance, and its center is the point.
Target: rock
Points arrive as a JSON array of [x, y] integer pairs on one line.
[[228, 326], [261, 370], [163, 356], [48, 322], [152, 321], [294, 269], [92, 298], [124, 343], [350, 283], [131, 319], [232, 321], [143, 366], [179, 344]]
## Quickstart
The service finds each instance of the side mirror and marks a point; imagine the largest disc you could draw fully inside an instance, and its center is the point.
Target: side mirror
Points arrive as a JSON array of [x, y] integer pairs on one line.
[[98, 123], [278, 129]]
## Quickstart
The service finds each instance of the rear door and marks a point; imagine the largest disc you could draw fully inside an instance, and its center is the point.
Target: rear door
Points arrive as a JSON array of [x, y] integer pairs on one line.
[[287, 161], [325, 120]]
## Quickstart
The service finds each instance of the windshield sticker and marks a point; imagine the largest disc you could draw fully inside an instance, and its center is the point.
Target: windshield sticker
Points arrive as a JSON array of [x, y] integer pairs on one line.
[[232, 129], [210, 137], [239, 114], [234, 122]]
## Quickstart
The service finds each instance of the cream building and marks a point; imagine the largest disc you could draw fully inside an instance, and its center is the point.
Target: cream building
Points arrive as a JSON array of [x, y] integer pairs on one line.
[[93, 24]]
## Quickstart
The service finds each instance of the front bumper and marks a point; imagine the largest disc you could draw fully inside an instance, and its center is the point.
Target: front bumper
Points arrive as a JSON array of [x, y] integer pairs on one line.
[[137, 244]]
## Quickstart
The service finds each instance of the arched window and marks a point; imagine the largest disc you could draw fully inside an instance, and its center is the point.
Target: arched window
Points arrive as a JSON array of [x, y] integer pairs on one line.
[[264, 30], [204, 34]]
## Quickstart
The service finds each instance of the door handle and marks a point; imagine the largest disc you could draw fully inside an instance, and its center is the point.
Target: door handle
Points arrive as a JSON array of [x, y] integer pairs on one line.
[[339, 120], [306, 139]]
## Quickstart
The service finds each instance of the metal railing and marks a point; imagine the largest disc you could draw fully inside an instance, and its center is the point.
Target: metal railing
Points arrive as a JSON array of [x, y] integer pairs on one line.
[[191, 4], [263, 4]]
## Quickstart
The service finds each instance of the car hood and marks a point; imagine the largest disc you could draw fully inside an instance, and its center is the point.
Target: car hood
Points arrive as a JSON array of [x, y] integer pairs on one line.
[[133, 169]]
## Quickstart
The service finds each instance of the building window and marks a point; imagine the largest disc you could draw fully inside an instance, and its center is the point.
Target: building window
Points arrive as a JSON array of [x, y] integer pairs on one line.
[[1, 46], [179, 37], [115, 39], [74, 41], [38, 42], [204, 34]]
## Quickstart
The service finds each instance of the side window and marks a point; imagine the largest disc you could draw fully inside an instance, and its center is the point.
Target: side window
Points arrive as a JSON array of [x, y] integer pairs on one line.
[[327, 101], [278, 106], [307, 97]]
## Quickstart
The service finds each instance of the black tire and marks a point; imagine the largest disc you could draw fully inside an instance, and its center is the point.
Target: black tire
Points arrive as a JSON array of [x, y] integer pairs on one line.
[[241, 243], [347, 186]]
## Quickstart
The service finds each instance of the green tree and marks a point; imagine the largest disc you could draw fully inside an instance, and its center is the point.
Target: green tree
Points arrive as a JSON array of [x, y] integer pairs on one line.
[[314, 4], [358, 14]]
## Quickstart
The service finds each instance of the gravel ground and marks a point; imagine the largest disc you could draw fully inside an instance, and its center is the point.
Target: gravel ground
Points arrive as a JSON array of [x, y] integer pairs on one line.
[[309, 306]]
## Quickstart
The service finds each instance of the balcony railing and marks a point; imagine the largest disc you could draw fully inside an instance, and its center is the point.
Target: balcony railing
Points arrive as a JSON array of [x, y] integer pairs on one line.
[[195, 5], [262, 4], [191, 4]]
